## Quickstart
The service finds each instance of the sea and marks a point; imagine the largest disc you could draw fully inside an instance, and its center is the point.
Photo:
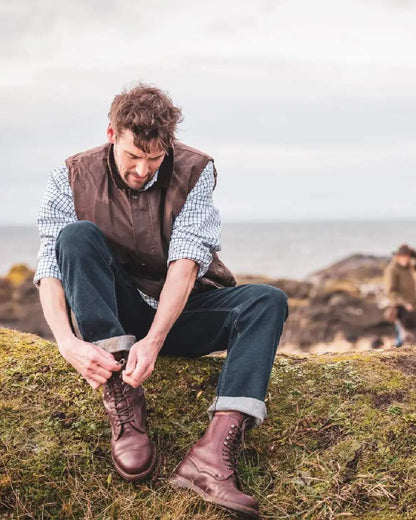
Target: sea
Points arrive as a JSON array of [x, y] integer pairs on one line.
[[272, 249]]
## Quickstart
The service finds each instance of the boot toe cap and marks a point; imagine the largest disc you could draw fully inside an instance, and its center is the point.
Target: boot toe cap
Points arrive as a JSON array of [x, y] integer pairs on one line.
[[135, 462]]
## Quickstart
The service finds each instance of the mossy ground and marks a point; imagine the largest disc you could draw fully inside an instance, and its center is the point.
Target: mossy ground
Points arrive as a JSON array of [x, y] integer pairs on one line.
[[339, 441]]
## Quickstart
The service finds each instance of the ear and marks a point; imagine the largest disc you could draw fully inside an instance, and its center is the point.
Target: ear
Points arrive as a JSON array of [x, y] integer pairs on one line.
[[111, 133]]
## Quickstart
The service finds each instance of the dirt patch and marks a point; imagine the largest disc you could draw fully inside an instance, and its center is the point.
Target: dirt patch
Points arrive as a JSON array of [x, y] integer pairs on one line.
[[406, 364], [321, 436], [329, 436], [383, 401]]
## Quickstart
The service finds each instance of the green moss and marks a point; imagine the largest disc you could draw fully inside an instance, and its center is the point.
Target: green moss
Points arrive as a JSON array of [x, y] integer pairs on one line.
[[339, 441]]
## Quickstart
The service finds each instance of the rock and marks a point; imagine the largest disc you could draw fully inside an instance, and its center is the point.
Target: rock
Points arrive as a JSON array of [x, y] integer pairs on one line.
[[330, 287], [356, 267], [334, 315], [18, 274], [345, 305], [251, 278], [298, 289], [20, 307], [6, 290]]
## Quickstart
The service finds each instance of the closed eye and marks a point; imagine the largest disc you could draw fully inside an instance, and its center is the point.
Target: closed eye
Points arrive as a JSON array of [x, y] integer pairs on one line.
[[131, 156]]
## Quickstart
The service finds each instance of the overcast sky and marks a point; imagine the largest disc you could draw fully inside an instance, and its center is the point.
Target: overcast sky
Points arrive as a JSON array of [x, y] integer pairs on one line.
[[308, 107]]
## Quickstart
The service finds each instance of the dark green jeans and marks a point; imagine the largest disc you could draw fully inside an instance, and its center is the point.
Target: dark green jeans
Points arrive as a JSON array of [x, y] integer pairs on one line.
[[247, 321]]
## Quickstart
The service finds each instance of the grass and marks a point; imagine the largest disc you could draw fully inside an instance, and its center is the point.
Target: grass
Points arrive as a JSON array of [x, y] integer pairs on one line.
[[339, 442]]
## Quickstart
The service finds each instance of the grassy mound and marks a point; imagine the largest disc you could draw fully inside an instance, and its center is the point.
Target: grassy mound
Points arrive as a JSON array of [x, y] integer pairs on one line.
[[339, 441]]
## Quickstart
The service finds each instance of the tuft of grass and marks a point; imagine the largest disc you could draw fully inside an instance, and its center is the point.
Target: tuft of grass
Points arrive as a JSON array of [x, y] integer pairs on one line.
[[339, 441]]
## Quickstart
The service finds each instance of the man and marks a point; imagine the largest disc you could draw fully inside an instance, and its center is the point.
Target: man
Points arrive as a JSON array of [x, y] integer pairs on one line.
[[129, 239], [400, 288]]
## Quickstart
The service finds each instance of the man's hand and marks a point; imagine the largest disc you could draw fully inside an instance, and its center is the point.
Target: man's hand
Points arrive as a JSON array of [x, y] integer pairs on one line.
[[141, 361], [94, 363], [409, 307]]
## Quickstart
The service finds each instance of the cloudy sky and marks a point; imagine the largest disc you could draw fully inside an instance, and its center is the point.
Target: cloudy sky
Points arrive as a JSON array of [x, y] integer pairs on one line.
[[309, 108]]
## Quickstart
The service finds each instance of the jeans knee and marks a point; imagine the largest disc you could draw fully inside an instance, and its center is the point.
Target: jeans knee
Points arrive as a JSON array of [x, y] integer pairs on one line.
[[273, 297], [74, 235], [269, 292], [281, 300]]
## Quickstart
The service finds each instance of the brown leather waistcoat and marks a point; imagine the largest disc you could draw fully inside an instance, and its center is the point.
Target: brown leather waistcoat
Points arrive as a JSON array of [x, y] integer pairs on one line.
[[138, 225]]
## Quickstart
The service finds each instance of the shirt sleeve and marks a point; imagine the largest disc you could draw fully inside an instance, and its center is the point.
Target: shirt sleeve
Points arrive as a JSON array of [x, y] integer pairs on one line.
[[56, 211], [196, 230]]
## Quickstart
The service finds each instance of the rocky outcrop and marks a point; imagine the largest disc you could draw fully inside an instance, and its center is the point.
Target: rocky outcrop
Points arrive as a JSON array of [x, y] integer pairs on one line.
[[337, 308], [358, 267], [19, 303], [331, 316]]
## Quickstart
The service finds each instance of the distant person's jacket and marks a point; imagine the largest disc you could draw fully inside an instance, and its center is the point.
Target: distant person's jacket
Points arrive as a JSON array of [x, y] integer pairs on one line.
[[400, 284]]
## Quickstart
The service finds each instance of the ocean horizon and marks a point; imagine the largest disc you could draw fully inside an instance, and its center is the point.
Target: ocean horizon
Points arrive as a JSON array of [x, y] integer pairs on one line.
[[273, 249]]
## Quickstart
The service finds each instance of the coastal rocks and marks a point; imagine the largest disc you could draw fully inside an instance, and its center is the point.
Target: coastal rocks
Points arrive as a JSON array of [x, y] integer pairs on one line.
[[298, 289], [337, 308], [18, 274], [344, 309], [356, 267], [6, 290], [331, 317], [19, 303]]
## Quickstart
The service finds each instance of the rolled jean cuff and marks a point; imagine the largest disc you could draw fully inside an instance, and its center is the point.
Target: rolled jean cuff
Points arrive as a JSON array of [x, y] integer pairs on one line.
[[249, 405], [116, 343]]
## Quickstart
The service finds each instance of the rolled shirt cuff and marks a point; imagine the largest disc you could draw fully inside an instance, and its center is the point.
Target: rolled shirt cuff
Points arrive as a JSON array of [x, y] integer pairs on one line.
[[116, 343], [249, 405]]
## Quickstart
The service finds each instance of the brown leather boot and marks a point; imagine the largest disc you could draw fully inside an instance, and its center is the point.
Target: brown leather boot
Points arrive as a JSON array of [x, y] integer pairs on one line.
[[210, 466], [133, 453]]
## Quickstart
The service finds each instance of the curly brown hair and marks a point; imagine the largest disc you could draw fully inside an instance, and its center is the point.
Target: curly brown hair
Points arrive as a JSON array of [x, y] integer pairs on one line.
[[148, 113]]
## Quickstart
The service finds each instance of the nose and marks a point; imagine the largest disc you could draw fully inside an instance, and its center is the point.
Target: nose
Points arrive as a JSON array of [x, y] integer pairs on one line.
[[141, 169]]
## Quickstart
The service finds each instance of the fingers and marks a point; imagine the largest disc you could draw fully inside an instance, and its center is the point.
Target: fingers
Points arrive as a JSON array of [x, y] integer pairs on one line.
[[131, 374], [136, 369], [94, 376], [138, 376], [101, 372], [105, 359], [92, 362], [134, 376], [94, 384], [94, 371], [131, 362], [134, 380]]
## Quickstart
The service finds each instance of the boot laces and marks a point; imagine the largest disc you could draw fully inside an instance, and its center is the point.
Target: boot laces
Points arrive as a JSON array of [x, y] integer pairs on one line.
[[232, 445], [119, 390]]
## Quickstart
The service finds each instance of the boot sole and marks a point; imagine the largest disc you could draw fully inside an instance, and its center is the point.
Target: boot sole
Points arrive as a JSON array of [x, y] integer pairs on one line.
[[144, 475], [177, 481]]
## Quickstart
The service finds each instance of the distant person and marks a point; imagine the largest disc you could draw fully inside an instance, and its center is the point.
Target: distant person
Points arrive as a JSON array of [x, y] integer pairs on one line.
[[129, 239], [401, 290]]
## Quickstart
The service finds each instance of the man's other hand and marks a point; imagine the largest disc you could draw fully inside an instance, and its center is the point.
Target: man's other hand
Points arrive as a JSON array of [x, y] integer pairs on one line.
[[94, 363], [141, 361], [409, 307]]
